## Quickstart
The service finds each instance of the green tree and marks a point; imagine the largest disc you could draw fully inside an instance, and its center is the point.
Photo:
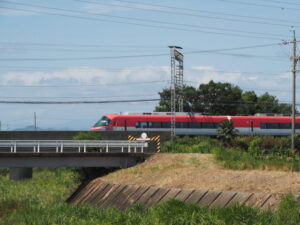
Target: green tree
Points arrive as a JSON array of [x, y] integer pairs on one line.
[[249, 103], [270, 104], [189, 100], [219, 98]]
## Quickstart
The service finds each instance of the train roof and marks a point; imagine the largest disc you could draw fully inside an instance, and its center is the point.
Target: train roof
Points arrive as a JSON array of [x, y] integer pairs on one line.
[[182, 115]]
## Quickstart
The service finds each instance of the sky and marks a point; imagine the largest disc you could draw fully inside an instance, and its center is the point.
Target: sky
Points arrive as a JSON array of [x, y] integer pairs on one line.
[[117, 50]]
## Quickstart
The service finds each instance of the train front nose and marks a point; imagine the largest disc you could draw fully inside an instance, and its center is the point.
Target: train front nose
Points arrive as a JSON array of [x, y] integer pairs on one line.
[[99, 128]]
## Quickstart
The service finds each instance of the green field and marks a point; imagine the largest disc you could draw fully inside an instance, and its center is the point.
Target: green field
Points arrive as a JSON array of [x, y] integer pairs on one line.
[[41, 200]]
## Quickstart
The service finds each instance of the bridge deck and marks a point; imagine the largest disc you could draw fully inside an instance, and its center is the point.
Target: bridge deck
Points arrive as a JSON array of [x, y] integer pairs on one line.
[[72, 159]]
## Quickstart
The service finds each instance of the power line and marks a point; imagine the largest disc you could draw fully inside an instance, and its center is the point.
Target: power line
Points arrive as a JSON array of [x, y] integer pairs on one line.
[[142, 24], [88, 85], [139, 100], [284, 2], [75, 97], [259, 5], [33, 68], [248, 88], [211, 12], [145, 20], [136, 56], [80, 45], [188, 14], [78, 102]]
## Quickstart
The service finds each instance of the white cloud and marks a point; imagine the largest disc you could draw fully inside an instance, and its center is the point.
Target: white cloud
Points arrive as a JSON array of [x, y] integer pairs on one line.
[[87, 75], [208, 73], [108, 88]]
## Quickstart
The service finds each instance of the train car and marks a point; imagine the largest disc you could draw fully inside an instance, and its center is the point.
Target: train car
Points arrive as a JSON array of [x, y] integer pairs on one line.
[[196, 124]]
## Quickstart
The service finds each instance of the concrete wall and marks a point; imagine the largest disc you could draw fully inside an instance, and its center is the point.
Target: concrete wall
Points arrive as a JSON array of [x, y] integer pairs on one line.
[[122, 196]]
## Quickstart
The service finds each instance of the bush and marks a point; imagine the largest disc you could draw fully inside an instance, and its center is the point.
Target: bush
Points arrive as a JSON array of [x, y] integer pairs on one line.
[[197, 144], [235, 158], [91, 135], [88, 173]]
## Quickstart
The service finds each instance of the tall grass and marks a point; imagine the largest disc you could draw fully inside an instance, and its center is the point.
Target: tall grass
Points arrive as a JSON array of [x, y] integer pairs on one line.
[[41, 200], [244, 152]]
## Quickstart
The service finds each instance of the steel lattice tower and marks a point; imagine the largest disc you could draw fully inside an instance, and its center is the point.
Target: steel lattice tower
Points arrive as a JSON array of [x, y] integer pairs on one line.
[[176, 83]]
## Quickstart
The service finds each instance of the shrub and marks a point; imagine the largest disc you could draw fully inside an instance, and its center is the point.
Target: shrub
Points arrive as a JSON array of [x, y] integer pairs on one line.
[[197, 144]]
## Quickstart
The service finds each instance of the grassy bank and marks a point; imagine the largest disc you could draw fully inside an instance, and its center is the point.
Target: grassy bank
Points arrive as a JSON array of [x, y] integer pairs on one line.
[[249, 152], [41, 201]]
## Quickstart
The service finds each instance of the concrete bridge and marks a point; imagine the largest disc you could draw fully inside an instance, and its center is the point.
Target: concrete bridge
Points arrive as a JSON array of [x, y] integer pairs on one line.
[[21, 156]]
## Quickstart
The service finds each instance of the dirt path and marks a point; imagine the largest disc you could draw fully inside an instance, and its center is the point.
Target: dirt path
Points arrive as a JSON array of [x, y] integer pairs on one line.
[[200, 171]]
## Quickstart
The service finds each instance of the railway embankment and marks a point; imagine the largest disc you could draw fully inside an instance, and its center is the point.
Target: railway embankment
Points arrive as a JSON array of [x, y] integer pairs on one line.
[[190, 178]]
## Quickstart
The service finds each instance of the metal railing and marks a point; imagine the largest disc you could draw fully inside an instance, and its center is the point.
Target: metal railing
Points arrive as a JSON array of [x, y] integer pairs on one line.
[[80, 145]]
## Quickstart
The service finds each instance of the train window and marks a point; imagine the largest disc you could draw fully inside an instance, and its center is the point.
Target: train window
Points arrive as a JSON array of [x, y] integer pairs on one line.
[[144, 124], [209, 125], [195, 125], [272, 126], [182, 125], [137, 124], [154, 124], [285, 126], [297, 125], [263, 126], [166, 124]]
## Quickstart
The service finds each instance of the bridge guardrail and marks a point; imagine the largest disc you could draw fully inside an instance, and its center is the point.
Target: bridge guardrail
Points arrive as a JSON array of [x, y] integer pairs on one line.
[[59, 145]]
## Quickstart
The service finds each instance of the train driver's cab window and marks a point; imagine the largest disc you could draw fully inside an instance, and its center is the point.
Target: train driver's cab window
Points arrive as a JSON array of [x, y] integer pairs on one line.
[[104, 121]]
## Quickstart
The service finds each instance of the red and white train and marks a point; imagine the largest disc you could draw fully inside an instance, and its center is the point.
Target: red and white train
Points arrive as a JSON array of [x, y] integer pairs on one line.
[[196, 124]]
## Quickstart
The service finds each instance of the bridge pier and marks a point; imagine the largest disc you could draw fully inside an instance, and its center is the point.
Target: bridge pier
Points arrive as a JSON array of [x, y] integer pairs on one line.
[[20, 173]]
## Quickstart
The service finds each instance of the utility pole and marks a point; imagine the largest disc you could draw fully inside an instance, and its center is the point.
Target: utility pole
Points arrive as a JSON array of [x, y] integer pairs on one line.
[[295, 58], [34, 118], [176, 84]]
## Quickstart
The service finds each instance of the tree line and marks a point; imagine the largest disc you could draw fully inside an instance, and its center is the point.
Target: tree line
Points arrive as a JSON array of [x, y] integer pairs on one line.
[[217, 98]]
